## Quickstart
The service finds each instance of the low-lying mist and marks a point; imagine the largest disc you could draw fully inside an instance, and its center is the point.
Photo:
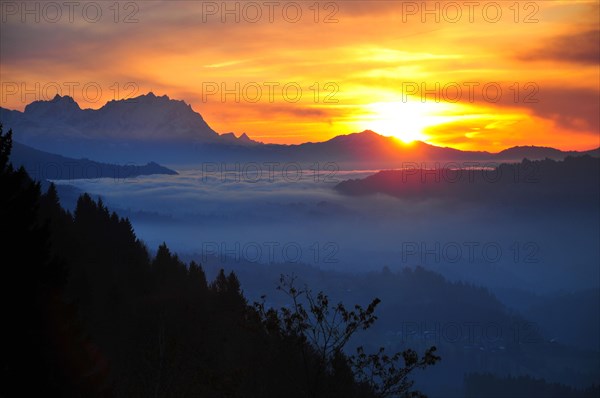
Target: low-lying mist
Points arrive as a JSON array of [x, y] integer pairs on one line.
[[281, 218], [535, 258]]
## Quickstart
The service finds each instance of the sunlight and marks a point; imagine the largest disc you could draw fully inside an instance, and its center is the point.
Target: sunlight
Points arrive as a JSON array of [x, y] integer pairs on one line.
[[404, 120]]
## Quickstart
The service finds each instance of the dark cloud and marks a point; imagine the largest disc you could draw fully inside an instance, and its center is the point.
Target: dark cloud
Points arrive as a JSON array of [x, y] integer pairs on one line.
[[569, 107], [574, 108], [580, 47]]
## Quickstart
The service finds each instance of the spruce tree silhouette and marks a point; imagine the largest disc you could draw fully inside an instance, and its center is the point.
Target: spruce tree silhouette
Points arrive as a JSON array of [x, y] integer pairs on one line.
[[44, 349], [87, 312]]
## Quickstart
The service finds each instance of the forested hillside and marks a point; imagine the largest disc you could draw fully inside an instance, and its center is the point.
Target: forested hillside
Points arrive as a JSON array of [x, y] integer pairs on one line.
[[88, 312]]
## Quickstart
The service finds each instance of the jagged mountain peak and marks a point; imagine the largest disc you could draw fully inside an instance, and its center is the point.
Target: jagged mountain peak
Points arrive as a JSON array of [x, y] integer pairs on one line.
[[59, 106], [147, 117]]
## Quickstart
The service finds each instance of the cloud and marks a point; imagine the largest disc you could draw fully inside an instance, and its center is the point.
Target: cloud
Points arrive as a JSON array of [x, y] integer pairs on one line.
[[368, 52], [573, 108], [580, 47], [296, 111]]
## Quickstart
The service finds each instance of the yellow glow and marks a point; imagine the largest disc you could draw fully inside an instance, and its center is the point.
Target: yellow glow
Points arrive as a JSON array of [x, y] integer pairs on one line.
[[405, 120], [351, 79]]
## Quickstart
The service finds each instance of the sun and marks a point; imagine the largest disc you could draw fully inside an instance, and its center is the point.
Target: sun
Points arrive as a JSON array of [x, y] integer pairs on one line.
[[403, 120]]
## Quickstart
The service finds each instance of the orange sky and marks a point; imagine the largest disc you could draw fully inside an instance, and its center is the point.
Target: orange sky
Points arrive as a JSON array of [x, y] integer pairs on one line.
[[504, 73]]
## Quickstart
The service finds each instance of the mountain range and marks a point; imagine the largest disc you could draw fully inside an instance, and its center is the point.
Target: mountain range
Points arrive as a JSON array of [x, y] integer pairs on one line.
[[542, 184], [41, 165], [170, 131]]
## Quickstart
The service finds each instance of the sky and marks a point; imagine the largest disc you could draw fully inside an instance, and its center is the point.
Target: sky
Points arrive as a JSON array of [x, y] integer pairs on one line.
[[473, 75]]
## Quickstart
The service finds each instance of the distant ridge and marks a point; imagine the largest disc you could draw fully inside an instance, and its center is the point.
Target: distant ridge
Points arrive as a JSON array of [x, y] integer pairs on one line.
[[168, 130], [574, 181], [42, 166]]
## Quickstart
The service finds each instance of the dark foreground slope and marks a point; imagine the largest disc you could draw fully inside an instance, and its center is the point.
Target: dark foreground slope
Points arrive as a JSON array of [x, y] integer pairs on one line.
[[87, 312]]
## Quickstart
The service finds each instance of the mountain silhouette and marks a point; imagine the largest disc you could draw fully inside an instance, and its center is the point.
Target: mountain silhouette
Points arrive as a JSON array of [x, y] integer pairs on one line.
[[42, 165], [144, 118], [574, 182], [170, 131]]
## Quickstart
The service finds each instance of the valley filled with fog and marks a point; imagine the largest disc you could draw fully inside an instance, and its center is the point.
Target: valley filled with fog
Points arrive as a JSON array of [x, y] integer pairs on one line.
[[491, 257], [529, 257], [299, 217], [354, 199]]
